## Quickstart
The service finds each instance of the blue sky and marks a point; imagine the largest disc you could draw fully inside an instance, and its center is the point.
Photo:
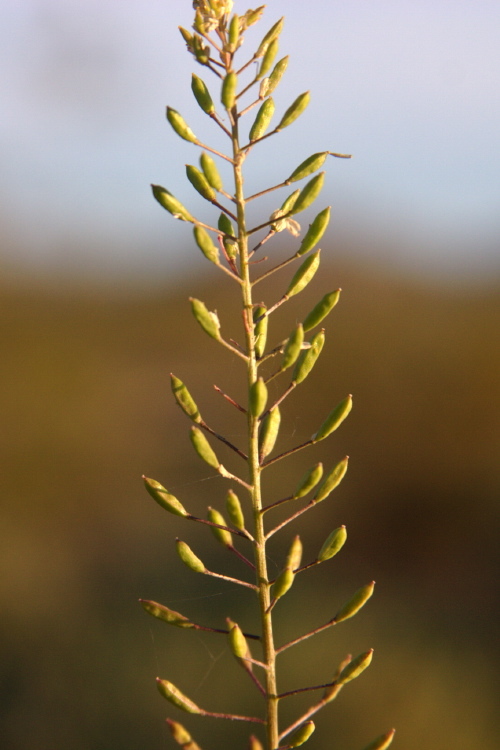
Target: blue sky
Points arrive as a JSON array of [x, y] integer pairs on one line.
[[411, 89]]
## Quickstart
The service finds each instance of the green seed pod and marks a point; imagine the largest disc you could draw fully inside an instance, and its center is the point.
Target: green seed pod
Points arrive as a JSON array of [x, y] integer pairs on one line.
[[210, 171], [308, 358], [174, 695], [187, 36], [203, 447], [334, 419], [238, 644], [164, 498], [165, 614], [332, 691], [254, 743], [182, 736], [234, 511], [223, 537], [333, 544], [332, 480], [294, 110], [188, 557], [355, 602], [207, 247], [301, 735], [308, 166], [315, 232], [309, 480], [264, 117], [355, 667], [304, 275], [290, 202], [277, 74], [200, 50], [283, 583], [309, 193], [268, 58], [271, 35], [293, 347], [228, 91], [180, 126], [294, 557], [202, 95], [382, 742], [258, 398], [207, 320], [184, 399], [260, 330], [171, 204], [234, 34], [200, 183], [225, 226], [269, 432], [321, 310]]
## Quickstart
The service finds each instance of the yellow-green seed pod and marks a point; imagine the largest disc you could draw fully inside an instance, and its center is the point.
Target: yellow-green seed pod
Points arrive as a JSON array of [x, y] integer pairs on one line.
[[294, 557], [264, 117], [207, 247], [331, 692], [234, 510], [202, 94], [258, 398], [382, 742], [333, 544], [203, 447], [254, 743], [301, 735], [174, 695], [164, 498], [277, 74], [355, 602], [238, 644], [294, 110], [252, 16], [223, 537], [228, 91], [268, 58], [234, 34], [271, 35], [188, 557], [283, 583], [210, 171], [321, 310], [308, 358], [225, 226], [334, 419], [182, 736], [308, 166], [207, 320], [289, 202], [355, 667], [180, 126], [308, 481], [171, 204], [309, 193], [260, 330], [304, 275], [315, 232], [200, 50], [165, 614], [293, 347], [184, 399], [200, 183], [332, 480], [269, 432], [186, 35]]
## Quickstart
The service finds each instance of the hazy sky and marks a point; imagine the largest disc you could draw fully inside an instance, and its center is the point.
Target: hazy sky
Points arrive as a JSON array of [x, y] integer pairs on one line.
[[411, 89]]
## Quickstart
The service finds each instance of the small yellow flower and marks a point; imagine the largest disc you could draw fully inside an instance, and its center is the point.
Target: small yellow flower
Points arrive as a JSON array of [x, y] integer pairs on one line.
[[209, 12]]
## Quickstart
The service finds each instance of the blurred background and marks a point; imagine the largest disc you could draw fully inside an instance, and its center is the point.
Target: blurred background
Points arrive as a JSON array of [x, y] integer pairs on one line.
[[94, 281]]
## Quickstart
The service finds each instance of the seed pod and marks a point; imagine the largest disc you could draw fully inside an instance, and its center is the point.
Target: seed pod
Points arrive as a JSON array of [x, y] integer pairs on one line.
[[290, 202], [332, 691], [234, 511], [263, 88], [174, 695], [223, 537], [264, 117], [171, 204], [304, 275], [309, 193], [239, 645], [182, 736], [309, 480], [315, 232], [164, 498], [186, 35], [277, 74], [228, 91], [308, 358], [203, 447], [260, 330], [294, 110], [294, 557], [321, 310], [334, 419], [207, 247], [355, 667], [355, 602], [210, 171], [254, 743], [283, 583], [333, 544], [165, 614], [382, 742], [332, 480], [202, 94], [225, 226], [234, 34], [268, 59], [308, 166], [293, 347], [184, 399], [258, 398], [207, 320], [271, 35], [188, 557], [200, 183], [180, 126], [269, 432], [200, 50], [252, 16], [301, 735]]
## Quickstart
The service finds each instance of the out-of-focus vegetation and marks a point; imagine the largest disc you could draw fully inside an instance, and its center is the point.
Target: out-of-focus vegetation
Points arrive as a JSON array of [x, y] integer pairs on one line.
[[86, 409]]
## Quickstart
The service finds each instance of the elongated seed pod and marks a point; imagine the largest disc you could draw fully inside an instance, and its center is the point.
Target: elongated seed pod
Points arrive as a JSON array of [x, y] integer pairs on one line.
[[308, 481], [180, 126], [210, 171], [334, 419], [355, 603], [207, 320], [228, 91], [200, 183], [238, 644], [171, 204], [260, 330], [315, 232], [225, 226], [202, 94], [207, 247], [254, 743], [294, 557], [294, 110], [321, 310], [252, 16], [269, 432], [277, 74], [289, 202], [164, 498], [355, 667], [301, 735], [234, 510], [309, 193], [308, 166], [304, 274], [186, 35], [308, 358], [382, 742], [268, 59], [332, 691], [184, 399], [223, 537], [332, 544], [234, 34], [174, 695], [203, 447], [332, 480], [200, 50], [283, 583], [258, 398], [271, 35], [264, 117], [182, 736], [165, 614], [188, 557], [293, 347]]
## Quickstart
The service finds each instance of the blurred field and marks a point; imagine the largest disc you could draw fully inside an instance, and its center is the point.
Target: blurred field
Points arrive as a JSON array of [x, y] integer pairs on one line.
[[86, 409]]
